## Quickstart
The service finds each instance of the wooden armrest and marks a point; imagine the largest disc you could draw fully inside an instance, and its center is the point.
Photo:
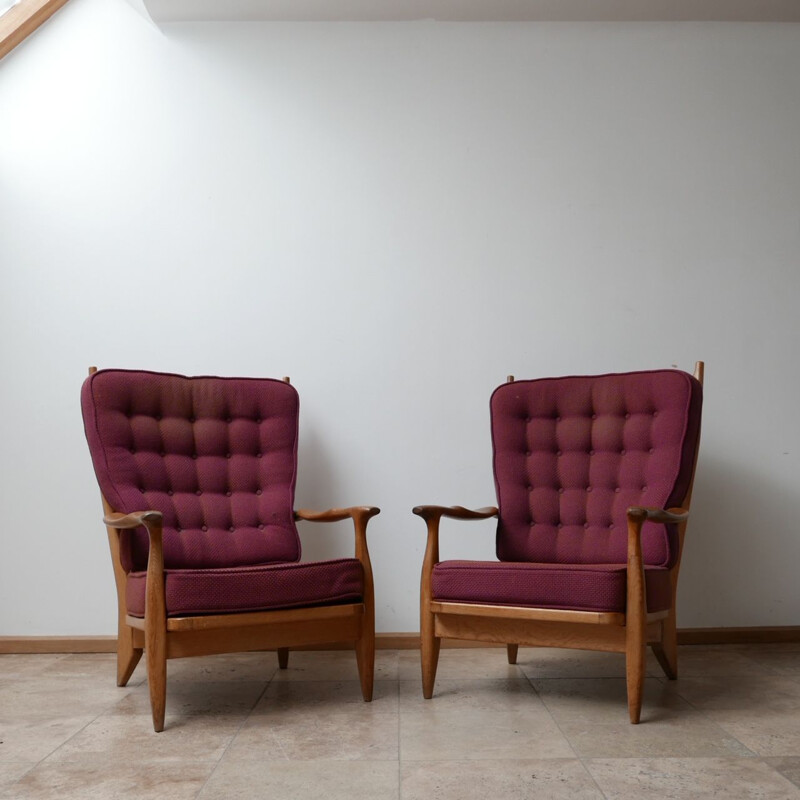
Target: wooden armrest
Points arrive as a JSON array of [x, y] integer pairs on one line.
[[125, 521], [454, 512], [336, 514], [642, 514]]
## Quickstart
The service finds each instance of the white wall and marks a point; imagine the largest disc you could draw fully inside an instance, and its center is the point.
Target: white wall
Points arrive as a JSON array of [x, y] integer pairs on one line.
[[398, 216]]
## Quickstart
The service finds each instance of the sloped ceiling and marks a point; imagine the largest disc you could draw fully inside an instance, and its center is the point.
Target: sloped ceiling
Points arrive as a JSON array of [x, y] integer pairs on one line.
[[471, 10]]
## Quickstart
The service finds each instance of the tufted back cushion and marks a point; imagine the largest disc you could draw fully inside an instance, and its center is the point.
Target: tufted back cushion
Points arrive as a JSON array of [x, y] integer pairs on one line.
[[217, 456], [571, 455]]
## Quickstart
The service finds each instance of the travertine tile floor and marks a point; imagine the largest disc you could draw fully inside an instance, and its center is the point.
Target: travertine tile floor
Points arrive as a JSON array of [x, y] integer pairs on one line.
[[553, 726]]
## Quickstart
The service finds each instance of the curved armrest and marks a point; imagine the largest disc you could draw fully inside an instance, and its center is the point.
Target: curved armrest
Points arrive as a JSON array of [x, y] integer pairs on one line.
[[336, 514], [453, 512], [126, 521], [643, 513], [360, 515]]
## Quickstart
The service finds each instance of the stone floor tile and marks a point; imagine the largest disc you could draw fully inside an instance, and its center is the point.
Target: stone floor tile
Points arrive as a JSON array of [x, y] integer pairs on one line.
[[335, 665], [34, 739], [204, 697], [469, 695], [551, 662], [132, 778], [457, 663], [788, 766], [690, 779], [600, 700], [12, 771], [554, 779], [324, 697], [464, 735], [775, 693], [112, 738], [248, 667], [315, 780], [765, 732], [44, 696], [23, 665], [337, 736]]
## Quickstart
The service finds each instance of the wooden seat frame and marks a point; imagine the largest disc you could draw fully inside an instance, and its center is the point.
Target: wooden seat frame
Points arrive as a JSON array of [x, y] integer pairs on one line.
[[161, 637], [629, 632]]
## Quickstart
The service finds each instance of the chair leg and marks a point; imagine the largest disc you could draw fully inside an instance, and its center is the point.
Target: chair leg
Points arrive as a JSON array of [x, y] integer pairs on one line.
[[512, 649], [365, 658], [429, 654], [127, 655], [636, 646], [155, 656], [283, 657], [666, 650]]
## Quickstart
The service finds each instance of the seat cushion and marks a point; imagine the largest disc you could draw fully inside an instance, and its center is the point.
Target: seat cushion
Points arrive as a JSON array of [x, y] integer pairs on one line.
[[259, 588], [575, 587]]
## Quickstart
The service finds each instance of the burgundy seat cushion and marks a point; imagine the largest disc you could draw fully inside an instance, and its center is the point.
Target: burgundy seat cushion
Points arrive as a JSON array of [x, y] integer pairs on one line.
[[258, 588], [217, 456], [572, 454], [582, 587]]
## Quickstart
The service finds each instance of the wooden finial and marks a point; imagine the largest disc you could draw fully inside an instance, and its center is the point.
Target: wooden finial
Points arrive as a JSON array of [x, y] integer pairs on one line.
[[287, 379], [92, 370], [510, 379], [699, 370]]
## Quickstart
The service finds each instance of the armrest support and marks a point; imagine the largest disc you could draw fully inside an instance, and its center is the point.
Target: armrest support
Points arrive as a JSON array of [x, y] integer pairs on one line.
[[453, 512], [155, 604], [337, 514], [671, 515], [149, 519], [360, 515]]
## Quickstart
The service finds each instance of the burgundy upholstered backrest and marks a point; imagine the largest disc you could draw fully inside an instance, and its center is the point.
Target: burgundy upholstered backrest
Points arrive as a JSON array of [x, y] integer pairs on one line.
[[571, 455], [217, 456]]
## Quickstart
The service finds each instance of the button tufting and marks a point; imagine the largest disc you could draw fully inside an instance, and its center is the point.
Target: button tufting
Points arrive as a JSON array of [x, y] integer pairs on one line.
[[261, 526], [259, 492], [585, 525], [651, 450], [594, 416], [561, 490], [622, 452], [588, 488], [627, 416], [178, 528], [258, 420], [228, 420], [198, 492], [204, 527], [591, 452], [227, 455], [558, 452], [170, 492], [161, 453], [192, 420], [617, 490], [231, 529], [258, 455], [611, 526], [560, 525], [228, 493]]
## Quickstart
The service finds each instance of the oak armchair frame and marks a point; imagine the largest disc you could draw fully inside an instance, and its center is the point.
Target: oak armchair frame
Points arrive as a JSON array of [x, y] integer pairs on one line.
[[629, 632]]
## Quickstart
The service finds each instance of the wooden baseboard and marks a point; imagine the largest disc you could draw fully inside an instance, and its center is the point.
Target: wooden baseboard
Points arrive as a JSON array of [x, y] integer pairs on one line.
[[398, 641]]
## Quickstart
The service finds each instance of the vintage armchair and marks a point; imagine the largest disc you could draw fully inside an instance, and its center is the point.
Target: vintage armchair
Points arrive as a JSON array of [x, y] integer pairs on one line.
[[197, 477], [594, 479]]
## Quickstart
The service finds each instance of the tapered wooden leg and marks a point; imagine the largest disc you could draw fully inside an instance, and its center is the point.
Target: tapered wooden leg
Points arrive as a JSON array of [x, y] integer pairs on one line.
[[365, 657], [127, 655], [666, 650], [283, 657], [155, 656], [429, 654], [512, 653]]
